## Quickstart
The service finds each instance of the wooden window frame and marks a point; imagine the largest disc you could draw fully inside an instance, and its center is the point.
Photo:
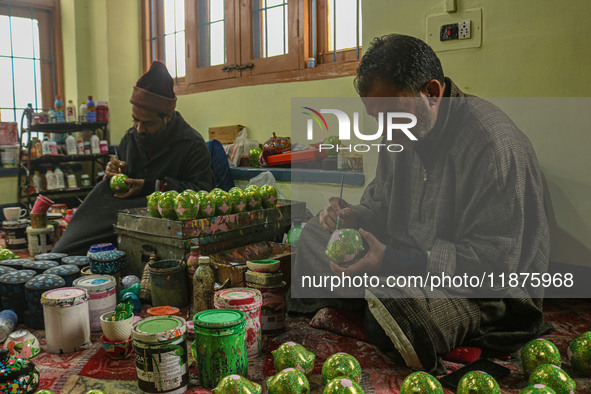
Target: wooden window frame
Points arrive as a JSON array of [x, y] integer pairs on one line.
[[270, 70], [51, 9]]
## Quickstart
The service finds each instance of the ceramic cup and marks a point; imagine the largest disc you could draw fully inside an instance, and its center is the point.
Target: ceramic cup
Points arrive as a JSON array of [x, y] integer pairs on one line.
[[14, 213], [116, 330], [22, 344]]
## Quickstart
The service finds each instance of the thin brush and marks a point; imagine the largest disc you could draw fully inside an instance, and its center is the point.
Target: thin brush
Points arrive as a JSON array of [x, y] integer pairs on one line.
[[340, 198]]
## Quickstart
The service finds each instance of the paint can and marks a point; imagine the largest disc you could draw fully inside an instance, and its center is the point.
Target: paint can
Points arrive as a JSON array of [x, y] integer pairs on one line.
[[274, 308], [160, 345], [168, 283], [67, 327], [219, 345], [40, 240], [250, 302], [102, 297], [16, 234]]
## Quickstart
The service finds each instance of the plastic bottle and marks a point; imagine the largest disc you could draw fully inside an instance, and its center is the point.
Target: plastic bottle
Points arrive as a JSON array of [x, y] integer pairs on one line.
[[104, 144], [29, 114], [71, 112], [95, 147], [34, 152], [60, 182], [71, 145], [8, 320], [50, 179], [68, 215], [53, 147], [80, 146], [82, 113], [87, 147], [203, 286], [193, 261], [60, 111], [72, 181], [51, 116], [37, 182], [85, 180], [90, 110], [102, 111], [39, 147], [293, 235], [45, 148]]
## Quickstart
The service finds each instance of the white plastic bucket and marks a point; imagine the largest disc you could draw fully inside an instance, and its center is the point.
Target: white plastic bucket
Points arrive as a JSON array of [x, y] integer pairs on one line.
[[9, 155], [40, 240], [103, 298]]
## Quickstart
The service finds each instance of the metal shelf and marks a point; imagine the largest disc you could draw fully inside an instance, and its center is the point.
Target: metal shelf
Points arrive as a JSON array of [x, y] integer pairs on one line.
[[63, 191], [66, 127], [66, 158]]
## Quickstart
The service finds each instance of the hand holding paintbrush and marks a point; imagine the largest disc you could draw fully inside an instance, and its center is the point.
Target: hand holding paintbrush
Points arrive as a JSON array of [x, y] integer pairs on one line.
[[337, 214]]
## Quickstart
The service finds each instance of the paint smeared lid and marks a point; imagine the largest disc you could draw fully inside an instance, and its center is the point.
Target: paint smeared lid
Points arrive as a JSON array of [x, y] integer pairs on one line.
[[219, 318], [95, 283], [238, 298], [64, 297], [159, 328]]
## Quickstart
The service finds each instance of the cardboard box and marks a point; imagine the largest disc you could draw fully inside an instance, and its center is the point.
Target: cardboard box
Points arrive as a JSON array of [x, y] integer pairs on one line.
[[8, 133], [225, 134]]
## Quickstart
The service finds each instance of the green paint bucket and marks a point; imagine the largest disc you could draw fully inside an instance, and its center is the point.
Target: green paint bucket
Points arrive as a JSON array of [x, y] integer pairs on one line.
[[220, 345], [168, 283], [160, 345]]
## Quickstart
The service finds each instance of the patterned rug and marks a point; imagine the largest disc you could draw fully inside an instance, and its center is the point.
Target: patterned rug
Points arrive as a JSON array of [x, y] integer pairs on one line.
[[382, 373]]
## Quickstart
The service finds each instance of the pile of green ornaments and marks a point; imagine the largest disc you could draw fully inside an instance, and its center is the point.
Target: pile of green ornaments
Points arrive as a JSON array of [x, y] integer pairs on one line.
[[191, 205], [7, 254]]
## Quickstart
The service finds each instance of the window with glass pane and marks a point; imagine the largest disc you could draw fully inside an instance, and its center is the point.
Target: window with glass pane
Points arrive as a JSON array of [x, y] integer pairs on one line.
[[168, 36], [20, 66], [270, 35], [344, 26], [211, 33]]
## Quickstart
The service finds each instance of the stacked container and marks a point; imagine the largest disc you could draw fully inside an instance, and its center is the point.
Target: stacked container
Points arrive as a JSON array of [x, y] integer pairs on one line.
[[34, 289], [102, 295], [12, 289]]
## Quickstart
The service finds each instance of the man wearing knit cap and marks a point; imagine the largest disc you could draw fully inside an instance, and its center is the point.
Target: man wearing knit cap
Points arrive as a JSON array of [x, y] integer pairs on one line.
[[160, 152]]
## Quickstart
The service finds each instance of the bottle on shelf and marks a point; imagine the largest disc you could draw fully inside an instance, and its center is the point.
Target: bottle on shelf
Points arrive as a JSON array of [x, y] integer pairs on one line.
[[60, 111], [71, 112], [39, 147], [68, 215], [50, 179], [71, 145], [37, 182], [104, 144], [80, 146], [34, 152], [51, 116], [82, 113], [45, 148], [95, 148], [203, 286], [90, 110], [87, 147], [102, 111], [60, 183], [72, 184], [85, 180], [53, 147]]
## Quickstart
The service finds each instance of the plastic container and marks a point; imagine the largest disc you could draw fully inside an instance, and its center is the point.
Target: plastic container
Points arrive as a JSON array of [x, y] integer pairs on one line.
[[60, 181], [90, 110], [50, 179], [85, 180], [102, 296], [82, 113], [71, 145], [274, 308], [95, 148], [168, 283], [87, 148], [40, 240], [203, 286], [250, 302], [16, 234], [219, 345], [8, 320], [68, 272], [104, 146], [9, 155], [80, 146], [160, 345], [71, 112], [60, 110], [67, 327], [102, 111]]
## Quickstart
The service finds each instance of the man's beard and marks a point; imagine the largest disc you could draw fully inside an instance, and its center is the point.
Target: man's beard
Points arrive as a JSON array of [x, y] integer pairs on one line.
[[150, 142], [424, 121]]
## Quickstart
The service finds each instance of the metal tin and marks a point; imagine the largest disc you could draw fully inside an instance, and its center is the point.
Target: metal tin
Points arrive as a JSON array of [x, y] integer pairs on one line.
[[274, 308], [160, 345], [40, 240], [17, 264], [102, 296], [51, 256], [249, 301], [40, 266], [79, 261], [168, 283], [67, 327], [38, 285], [12, 284], [69, 272], [219, 345], [16, 234], [5, 270], [263, 278], [107, 262]]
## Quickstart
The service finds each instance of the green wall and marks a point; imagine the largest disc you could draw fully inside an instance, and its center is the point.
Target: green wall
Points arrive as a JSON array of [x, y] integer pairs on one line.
[[530, 48]]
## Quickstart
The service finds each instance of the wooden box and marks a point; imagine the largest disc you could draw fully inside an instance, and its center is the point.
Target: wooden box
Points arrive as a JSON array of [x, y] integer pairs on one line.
[[225, 134]]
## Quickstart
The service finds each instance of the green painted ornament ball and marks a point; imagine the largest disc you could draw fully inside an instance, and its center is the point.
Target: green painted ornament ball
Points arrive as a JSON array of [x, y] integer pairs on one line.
[[288, 381], [118, 185], [223, 203], [341, 365], [419, 383], [342, 385], [95, 392], [153, 200], [478, 382], [553, 377], [187, 207], [538, 352], [579, 353], [537, 389], [207, 205], [44, 392], [215, 191], [6, 254], [167, 205], [236, 384], [254, 157], [344, 245], [253, 198], [334, 141], [293, 355], [238, 200], [269, 196]]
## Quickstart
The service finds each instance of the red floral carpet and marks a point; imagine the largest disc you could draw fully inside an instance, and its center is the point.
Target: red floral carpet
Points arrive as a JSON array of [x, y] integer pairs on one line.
[[382, 373]]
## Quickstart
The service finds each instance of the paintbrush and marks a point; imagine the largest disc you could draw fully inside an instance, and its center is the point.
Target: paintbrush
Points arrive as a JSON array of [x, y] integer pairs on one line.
[[340, 199]]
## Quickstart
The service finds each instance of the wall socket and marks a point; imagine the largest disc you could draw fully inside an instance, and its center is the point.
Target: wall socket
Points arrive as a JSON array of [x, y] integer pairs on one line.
[[465, 30]]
